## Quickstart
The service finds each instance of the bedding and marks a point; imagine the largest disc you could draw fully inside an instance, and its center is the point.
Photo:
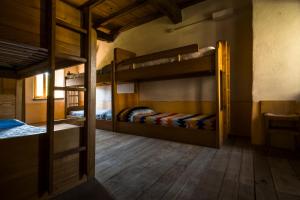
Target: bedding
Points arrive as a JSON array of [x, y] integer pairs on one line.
[[149, 116], [20, 130], [200, 53], [101, 114], [10, 123]]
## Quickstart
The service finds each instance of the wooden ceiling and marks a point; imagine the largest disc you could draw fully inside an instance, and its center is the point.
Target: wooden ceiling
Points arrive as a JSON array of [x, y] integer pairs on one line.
[[111, 17]]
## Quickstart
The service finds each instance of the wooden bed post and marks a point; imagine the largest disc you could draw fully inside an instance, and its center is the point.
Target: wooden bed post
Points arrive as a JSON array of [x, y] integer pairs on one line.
[[51, 13], [114, 92], [223, 91], [89, 51], [119, 56]]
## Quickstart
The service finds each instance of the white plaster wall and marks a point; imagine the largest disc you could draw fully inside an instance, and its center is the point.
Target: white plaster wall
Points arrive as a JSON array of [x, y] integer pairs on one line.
[[276, 50], [152, 37]]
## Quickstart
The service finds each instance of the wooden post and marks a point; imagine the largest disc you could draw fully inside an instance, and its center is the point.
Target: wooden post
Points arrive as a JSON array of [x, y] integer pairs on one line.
[[89, 51], [114, 94], [51, 13]]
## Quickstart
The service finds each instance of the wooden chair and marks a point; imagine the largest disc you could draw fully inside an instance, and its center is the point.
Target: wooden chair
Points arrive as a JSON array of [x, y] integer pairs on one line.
[[282, 124]]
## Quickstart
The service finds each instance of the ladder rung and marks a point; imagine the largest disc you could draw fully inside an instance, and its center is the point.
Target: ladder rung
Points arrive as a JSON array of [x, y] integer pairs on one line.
[[70, 26], [71, 58], [68, 152], [70, 89]]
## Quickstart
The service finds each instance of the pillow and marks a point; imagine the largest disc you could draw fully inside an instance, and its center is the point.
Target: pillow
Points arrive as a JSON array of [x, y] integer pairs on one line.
[[125, 114], [141, 111], [10, 123]]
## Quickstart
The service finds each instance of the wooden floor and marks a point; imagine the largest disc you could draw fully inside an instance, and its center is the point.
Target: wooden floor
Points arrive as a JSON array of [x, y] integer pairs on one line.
[[132, 167]]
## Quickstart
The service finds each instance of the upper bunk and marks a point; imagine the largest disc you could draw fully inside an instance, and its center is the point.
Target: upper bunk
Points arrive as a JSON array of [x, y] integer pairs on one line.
[[23, 37], [182, 62]]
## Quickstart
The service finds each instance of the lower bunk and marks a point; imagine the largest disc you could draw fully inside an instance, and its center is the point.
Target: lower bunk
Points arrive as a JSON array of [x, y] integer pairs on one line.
[[103, 117], [184, 135], [198, 129], [24, 160]]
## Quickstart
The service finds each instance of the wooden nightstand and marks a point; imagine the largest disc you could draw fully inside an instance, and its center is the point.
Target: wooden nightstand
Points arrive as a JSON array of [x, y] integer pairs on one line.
[[282, 126]]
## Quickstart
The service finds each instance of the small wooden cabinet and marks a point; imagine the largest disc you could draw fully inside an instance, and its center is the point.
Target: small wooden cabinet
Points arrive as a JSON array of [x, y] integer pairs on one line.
[[282, 131]]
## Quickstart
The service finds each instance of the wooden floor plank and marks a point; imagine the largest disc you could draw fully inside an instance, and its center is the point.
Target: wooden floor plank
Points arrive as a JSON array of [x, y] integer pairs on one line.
[[111, 142], [246, 187], [190, 175], [121, 145], [230, 187], [285, 178], [165, 182], [117, 163], [211, 181], [264, 186], [134, 167], [295, 163], [129, 183]]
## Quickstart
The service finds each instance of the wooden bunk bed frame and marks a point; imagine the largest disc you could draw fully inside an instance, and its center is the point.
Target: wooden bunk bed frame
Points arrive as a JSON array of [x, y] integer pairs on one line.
[[76, 82], [44, 165], [216, 64]]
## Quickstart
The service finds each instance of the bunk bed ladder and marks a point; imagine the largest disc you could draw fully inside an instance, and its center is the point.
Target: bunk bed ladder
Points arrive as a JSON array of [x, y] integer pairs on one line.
[[86, 146]]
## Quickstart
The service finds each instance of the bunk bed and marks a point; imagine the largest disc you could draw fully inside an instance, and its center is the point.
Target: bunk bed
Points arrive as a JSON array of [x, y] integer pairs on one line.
[[73, 106], [183, 62], [41, 162]]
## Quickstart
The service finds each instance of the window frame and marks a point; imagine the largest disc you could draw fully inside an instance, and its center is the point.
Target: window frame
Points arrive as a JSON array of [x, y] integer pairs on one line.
[[45, 83]]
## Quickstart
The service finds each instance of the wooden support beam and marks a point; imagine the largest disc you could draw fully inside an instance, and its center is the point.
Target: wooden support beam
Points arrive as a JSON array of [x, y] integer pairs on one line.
[[168, 8], [91, 3], [89, 51], [123, 11], [51, 18], [106, 37], [189, 3]]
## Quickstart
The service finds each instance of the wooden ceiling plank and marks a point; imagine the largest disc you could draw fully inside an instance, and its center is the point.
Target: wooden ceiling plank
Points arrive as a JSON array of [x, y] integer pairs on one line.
[[168, 8], [121, 12], [91, 3], [140, 21]]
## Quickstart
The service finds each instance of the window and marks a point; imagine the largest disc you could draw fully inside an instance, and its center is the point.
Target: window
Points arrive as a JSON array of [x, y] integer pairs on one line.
[[41, 85]]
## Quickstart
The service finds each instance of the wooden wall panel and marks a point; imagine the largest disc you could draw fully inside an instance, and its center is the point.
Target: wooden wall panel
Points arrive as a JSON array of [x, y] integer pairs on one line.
[[7, 98], [36, 111], [20, 22], [241, 118], [7, 106]]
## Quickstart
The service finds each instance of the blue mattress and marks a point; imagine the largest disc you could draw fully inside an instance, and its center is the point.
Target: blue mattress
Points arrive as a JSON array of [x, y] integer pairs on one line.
[[103, 114], [19, 131]]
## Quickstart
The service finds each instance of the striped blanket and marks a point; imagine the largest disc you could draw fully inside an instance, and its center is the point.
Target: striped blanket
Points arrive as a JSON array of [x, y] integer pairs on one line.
[[149, 116]]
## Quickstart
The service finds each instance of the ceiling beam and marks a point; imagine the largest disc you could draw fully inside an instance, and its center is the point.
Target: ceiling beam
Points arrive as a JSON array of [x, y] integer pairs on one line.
[[121, 12], [189, 3], [168, 8], [7, 73], [91, 3], [106, 37]]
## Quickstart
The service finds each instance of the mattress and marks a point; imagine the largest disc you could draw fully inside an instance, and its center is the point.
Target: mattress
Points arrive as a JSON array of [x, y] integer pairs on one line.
[[148, 116], [101, 114], [200, 53], [19, 131]]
